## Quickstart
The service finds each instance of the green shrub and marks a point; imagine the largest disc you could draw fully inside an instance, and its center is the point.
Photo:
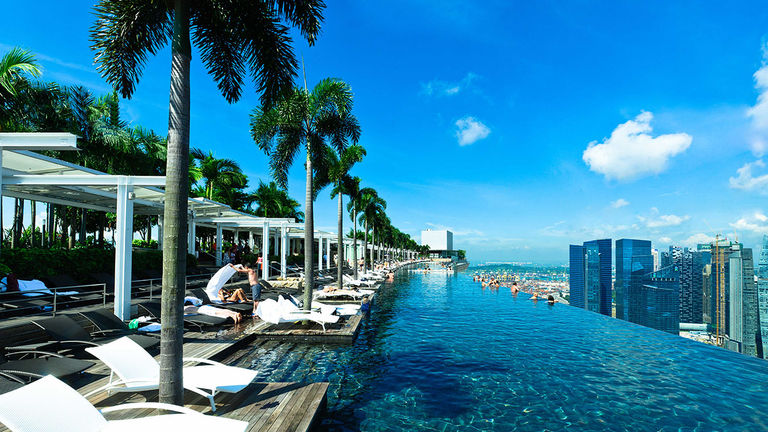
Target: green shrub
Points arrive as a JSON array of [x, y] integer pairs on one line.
[[152, 244]]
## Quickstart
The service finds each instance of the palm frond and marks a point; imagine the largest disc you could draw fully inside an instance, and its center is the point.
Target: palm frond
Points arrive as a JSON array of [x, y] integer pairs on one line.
[[124, 34]]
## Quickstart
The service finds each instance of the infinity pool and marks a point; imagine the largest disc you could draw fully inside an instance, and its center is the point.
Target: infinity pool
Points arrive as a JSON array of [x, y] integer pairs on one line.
[[440, 353]]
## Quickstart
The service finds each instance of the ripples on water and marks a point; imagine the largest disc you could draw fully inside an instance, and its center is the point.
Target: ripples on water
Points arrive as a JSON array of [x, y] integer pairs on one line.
[[440, 353]]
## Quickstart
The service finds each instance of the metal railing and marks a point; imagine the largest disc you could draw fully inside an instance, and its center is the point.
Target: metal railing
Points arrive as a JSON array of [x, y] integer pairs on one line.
[[16, 303]]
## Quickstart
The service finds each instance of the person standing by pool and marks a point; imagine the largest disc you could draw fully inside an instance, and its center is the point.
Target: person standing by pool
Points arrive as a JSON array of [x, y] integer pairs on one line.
[[253, 281]]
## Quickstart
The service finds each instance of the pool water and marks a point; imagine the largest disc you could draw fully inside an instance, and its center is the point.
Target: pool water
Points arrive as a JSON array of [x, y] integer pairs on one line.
[[441, 353]]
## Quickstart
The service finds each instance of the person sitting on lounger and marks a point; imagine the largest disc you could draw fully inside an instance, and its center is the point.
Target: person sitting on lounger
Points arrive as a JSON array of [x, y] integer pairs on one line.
[[253, 281], [237, 295]]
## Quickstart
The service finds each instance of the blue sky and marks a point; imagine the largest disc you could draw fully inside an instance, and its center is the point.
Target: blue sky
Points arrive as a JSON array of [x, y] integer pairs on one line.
[[521, 127]]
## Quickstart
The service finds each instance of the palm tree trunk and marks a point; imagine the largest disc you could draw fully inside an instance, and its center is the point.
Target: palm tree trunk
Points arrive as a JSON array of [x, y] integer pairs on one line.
[[175, 229], [365, 247], [340, 253], [354, 240], [309, 238]]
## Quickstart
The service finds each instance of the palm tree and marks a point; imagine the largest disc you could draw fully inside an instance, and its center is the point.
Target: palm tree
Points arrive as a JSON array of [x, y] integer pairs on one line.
[[14, 65], [274, 202], [215, 173], [353, 192], [370, 205], [338, 166], [232, 36], [304, 120]]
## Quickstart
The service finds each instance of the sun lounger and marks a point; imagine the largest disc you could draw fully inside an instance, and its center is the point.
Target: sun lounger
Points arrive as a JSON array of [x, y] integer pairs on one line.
[[138, 371], [50, 405], [348, 280], [233, 306], [341, 310], [341, 293], [152, 308], [284, 311], [45, 364]]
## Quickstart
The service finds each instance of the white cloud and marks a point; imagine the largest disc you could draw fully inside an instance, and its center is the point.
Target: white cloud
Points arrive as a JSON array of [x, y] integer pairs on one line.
[[695, 239], [758, 113], [446, 88], [754, 223], [631, 152], [619, 203], [665, 240], [747, 181], [662, 221], [470, 130]]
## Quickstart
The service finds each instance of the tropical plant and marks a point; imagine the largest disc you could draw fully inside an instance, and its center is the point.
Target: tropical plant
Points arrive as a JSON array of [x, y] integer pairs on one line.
[[337, 166], [352, 187], [232, 36], [305, 121], [274, 202], [370, 207], [216, 174], [14, 65]]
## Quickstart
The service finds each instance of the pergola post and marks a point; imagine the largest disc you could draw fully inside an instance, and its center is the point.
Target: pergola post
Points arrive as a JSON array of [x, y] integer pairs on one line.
[[328, 259], [123, 248], [192, 234], [251, 243], [160, 223], [219, 240], [265, 250], [283, 249], [319, 252]]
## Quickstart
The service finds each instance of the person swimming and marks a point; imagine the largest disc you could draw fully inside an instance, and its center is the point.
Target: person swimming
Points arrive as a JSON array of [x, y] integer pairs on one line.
[[551, 300]]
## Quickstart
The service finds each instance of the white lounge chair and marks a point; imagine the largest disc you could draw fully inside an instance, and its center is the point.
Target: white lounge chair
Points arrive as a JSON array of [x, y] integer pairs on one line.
[[341, 309], [50, 405], [355, 294], [349, 280], [284, 311], [139, 371]]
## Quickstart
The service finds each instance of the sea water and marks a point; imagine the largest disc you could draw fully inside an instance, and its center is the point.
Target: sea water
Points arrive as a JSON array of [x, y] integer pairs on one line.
[[440, 353]]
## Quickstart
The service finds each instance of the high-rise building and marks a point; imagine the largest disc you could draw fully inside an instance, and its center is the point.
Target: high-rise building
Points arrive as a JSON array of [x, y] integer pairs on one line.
[[762, 295], [576, 275], [633, 261], [590, 276], [691, 264], [707, 297], [655, 303], [656, 259], [597, 276], [752, 340]]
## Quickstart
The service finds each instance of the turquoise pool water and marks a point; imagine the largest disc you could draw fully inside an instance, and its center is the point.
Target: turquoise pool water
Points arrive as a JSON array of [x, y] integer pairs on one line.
[[440, 353]]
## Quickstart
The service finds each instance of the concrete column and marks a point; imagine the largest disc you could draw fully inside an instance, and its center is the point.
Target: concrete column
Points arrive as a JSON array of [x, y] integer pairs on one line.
[[319, 252], [237, 237], [283, 249], [219, 248], [265, 250], [251, 243], [123, 248], [160, 224]]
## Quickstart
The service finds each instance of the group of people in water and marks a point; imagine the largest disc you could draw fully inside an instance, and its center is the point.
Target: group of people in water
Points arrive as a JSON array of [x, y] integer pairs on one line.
[[493, 283]]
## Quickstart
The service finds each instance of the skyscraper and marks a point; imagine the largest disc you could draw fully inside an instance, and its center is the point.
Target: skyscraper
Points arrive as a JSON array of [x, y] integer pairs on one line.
[[762, 294], [576, 275], [655, 303], [597, 276], [691, 265], [633, 261], [751, 338], [656, 259], [590, 276]]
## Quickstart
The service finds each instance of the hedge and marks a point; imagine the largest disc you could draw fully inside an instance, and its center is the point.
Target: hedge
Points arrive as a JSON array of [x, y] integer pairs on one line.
[[78, 263]]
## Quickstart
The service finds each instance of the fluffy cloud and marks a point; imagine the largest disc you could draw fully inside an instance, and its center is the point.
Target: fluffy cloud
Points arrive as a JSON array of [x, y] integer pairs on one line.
[[755, 223], [746, 179], [619, 203], [470, 130], [758, 113], [631, 152], [665, 240], [446, 88], [662, 221], [695, 239]]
